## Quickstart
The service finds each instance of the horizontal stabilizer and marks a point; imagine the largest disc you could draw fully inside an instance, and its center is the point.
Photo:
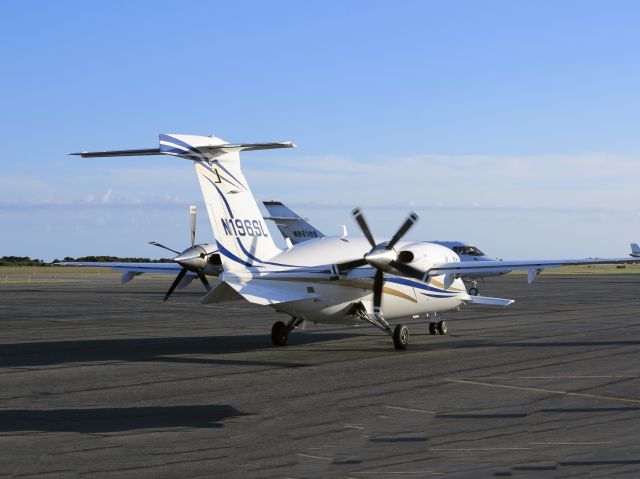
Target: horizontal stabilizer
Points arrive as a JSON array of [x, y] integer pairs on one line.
[[486, 300], [192, 147], [103, 154]]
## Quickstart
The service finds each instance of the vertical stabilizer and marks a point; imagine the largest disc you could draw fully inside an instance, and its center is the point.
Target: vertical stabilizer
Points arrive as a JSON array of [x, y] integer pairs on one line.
[[240, 231], [291, 225]]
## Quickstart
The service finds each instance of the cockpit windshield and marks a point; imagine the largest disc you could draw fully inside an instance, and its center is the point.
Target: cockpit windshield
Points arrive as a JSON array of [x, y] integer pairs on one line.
[[467, 250]]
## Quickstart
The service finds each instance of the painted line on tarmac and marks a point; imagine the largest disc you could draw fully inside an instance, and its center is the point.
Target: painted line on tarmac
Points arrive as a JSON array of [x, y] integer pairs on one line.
[[595, 443], [478, 449], [409, 409], [545, 390], [315, 457]]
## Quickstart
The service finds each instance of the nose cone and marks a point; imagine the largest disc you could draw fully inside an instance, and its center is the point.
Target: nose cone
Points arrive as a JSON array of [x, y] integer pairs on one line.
[[192, 259]]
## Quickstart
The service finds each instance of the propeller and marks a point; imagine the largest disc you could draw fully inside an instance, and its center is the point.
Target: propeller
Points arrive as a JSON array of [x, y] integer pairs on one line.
[[155, 243], [383, 257], [193, 259]]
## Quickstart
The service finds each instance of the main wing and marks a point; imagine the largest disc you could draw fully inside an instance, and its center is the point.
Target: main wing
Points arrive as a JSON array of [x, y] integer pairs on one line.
[[534, 267], [130, 270]]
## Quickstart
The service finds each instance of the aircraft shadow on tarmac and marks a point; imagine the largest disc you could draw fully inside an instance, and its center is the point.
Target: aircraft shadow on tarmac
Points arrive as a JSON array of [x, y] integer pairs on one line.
[[163, 349], [106, 420]]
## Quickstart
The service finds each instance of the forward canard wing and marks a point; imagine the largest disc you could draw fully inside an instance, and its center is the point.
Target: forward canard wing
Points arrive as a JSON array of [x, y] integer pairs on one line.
[[488, 301], [256, 291]]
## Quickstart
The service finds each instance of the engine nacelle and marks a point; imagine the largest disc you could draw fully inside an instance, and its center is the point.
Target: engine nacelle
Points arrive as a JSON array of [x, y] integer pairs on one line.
[[423, 255]]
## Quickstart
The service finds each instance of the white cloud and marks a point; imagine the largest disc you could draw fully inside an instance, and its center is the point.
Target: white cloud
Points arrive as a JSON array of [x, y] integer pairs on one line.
[[558, 182], [106, 196]]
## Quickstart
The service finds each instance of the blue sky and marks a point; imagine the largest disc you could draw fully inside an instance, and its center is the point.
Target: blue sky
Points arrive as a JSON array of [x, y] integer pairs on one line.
[[513, 125]]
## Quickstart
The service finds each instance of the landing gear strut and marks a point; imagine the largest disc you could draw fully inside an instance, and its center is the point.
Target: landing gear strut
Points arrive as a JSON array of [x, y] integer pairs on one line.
[[280, 331], [473, 290], [400, 333]]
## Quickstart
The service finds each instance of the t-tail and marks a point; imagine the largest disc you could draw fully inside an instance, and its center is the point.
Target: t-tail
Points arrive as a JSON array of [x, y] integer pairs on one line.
[[241, 234], [291, 225]]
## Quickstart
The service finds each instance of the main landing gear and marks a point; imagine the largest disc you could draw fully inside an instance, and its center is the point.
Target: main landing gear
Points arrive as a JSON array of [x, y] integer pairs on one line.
[[473, 290], [437, 326], [280, 331]]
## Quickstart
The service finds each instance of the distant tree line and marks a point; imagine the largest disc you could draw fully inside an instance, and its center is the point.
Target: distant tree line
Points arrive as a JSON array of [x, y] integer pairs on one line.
[[21, 261], [26, 261]]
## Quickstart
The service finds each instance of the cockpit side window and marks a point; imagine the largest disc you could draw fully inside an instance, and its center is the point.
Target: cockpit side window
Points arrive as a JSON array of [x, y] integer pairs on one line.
[[467, 250]]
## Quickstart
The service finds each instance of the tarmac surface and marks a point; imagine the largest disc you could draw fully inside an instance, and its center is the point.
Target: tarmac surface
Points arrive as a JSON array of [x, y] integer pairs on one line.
[[105, 380]]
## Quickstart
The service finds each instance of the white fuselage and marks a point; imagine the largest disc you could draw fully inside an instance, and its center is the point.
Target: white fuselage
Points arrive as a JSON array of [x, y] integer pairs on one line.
[[308, 271]]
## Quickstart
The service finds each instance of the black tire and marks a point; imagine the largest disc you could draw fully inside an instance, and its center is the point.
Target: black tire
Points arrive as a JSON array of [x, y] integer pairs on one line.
[[473, 291], [442, 327], [433, 328], [279, 334], [401, 337]]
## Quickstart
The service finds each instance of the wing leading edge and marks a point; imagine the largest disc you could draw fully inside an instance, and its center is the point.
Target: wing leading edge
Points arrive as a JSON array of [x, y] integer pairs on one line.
[[533, 266]]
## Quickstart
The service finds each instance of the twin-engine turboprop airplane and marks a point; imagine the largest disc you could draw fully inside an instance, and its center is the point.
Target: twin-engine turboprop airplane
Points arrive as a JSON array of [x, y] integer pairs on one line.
[[337, 280]]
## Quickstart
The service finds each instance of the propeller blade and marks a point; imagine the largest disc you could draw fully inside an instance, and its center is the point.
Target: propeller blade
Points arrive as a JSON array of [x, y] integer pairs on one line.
[[192, 224], [408, 271], [155, 243], [349, 265], [378, 280], [357, 215], [203, 278], [175, 283], [406, 226]]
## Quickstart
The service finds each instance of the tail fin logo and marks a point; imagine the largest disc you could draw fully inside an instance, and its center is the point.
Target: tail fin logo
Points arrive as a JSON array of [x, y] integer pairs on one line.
[[218, 174]]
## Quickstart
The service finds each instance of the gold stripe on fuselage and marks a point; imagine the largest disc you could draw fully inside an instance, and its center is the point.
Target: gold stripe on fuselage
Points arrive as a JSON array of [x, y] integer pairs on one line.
[[349, 283]]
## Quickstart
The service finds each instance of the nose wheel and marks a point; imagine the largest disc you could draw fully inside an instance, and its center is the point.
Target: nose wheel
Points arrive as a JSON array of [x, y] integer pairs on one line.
[[473, 290], [400, 337]]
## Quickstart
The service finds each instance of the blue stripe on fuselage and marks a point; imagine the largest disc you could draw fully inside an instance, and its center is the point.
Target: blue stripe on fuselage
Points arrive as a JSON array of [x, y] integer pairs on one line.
[[415, 284]]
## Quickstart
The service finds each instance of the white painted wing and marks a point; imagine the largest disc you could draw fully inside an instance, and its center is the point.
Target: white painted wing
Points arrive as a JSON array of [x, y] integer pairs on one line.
[[139, 268], [464, 267]]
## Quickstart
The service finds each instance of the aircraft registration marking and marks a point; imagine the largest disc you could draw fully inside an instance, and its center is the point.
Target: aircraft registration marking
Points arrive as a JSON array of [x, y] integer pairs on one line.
[[241, 227]]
